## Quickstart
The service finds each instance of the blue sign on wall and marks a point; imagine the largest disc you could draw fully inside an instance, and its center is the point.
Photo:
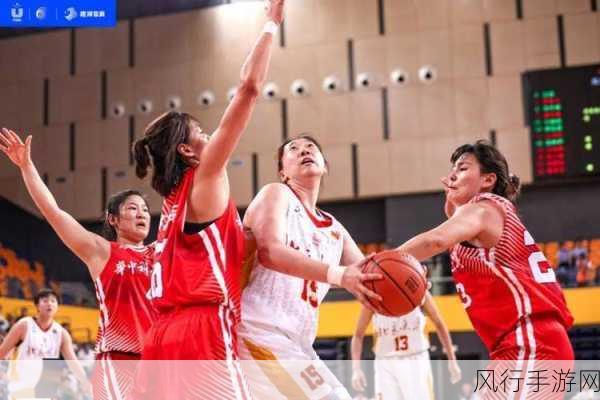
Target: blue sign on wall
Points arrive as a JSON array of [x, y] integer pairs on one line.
[[58, 13]]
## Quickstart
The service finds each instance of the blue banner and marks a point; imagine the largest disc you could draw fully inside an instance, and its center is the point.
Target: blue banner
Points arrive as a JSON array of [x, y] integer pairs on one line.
[[58, 13]]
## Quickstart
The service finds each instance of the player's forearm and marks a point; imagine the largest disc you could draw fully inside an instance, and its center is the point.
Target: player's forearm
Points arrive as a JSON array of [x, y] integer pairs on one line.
[[287, 260], [42, 197], [446, 340], [254, 70], [424, 246], [356, 351]]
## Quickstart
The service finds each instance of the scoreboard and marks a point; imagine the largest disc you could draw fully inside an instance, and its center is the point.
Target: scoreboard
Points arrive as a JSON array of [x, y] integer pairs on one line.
[[562, 109]]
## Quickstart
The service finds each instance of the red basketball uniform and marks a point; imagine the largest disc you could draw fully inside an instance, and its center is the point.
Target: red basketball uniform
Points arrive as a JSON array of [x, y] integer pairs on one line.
[[195, 286], [125, 316], [511, 294]]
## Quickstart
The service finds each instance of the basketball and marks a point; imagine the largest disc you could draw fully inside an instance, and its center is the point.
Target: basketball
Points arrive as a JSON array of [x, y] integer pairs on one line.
[[403, 284]]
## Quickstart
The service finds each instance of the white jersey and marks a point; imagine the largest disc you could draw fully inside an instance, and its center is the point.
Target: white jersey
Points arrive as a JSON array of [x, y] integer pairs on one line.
[[400, 336], [286, 303], [26, 369], [39, 344]]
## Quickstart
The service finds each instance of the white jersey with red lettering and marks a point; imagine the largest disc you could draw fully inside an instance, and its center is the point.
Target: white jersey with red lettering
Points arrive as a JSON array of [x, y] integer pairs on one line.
[[510, 293], [125, 310], [294, 301], [400, 336]]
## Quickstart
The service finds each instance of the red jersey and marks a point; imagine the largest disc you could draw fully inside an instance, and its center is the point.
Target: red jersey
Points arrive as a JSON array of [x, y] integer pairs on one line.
[[202, 268], [510, 291], [125, 310]]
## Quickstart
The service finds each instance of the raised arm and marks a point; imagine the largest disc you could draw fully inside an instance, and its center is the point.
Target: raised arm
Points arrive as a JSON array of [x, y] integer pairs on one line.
[[224, 140], [359, 381], [12, 338], [433, 313], [265, 217], [467, 223], [92, 249]]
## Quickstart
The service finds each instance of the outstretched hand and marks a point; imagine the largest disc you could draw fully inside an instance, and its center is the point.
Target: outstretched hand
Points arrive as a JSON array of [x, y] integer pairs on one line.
[[275, 10], [353, 281], [17, 151]]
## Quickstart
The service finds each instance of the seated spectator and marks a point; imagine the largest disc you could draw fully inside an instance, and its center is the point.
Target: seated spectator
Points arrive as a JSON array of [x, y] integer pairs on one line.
[[24, 313], [565, 271], [585, 271]]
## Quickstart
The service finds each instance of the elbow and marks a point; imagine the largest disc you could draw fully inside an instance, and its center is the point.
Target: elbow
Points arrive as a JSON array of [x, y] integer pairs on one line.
[[265, 255]]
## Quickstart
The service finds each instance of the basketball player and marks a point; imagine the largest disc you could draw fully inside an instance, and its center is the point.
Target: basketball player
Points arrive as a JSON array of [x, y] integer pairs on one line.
[[199, 250], [503, 279], [299, 249], [36, 339], [402, 367], [119, 265]]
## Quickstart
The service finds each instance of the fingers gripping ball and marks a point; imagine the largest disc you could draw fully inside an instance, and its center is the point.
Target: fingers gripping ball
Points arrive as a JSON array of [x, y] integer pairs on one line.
[[403, 285]]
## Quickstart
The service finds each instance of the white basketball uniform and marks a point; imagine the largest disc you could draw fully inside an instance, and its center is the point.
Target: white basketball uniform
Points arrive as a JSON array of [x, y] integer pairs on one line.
[[280, 315], [402, 367], [26, 368]]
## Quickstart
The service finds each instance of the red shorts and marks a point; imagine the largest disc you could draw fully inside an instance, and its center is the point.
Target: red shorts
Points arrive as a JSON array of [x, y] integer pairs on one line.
[[526, 367], [191, 353], [113, 374]]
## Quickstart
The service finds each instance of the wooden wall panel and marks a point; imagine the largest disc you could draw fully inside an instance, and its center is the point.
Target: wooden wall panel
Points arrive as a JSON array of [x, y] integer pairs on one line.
[[75, 99], [508, 47], [57, 146], [541, 45], [500, 10], [472, 105], [62, 186], [120, 90], [374, 169], [87, 187], [267, 168], [468, 52], [164, 39], [102, 49], [43, 56], [506, 108], [405, 112], [516, 147], [582, 39], [239, 170], [88, 145], [337, 184]]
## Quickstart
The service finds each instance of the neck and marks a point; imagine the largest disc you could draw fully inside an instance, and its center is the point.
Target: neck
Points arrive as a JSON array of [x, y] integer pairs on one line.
[[128, 242], [44, 321], [307, 190]]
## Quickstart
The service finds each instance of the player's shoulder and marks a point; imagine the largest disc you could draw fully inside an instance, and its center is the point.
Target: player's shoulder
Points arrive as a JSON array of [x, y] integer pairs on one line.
[[273, 193]]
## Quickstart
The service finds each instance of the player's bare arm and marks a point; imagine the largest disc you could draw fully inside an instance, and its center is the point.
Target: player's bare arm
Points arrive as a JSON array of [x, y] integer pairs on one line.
[[359, 381], [66, 349], [92, 249], [265, 218], [469, 222], [433, 313], [210, 177], [13, 338]]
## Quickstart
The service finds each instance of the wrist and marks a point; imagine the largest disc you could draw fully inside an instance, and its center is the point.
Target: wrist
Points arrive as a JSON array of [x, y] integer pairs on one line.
[[335, 274], [271, 27]]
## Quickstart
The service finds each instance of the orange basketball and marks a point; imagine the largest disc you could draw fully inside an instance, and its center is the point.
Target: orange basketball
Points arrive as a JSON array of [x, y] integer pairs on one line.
[[403, 285]]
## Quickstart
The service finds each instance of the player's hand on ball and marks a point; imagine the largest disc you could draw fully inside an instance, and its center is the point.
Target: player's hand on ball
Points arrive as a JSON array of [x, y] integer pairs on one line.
[[275, 10], [17, 151], [353, 279], [455, 372], [359, 381]]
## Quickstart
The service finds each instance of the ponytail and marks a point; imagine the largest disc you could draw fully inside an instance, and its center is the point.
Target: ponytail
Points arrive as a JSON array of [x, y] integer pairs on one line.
[[141, 156]]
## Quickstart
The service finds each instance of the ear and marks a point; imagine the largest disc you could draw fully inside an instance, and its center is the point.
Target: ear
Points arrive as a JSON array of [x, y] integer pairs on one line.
[[282, 177], [185, 150], [113, 220], [489, 180]]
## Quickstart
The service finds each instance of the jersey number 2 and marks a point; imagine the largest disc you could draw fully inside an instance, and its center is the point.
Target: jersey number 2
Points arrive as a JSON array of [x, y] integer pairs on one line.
[[542, 271]]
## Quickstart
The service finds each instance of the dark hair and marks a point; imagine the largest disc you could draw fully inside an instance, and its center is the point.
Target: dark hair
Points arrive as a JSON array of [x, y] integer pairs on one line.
[[305, 136], [492, 161], [159, 145], [112, 209], [42, 294]]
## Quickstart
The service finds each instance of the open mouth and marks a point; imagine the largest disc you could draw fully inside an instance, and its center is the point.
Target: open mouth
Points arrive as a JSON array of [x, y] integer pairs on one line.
[[141, 225], [307, 161]]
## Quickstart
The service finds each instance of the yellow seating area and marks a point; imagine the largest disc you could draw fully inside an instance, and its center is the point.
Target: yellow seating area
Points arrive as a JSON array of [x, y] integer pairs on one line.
[[11, 266]]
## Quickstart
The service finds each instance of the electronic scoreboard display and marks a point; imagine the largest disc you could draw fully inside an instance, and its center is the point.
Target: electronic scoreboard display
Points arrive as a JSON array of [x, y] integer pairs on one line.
[[562, 108]]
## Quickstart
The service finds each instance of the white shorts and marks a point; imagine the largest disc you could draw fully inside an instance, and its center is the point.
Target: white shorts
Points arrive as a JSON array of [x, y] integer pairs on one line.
[[404, 377], [279, 368]]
